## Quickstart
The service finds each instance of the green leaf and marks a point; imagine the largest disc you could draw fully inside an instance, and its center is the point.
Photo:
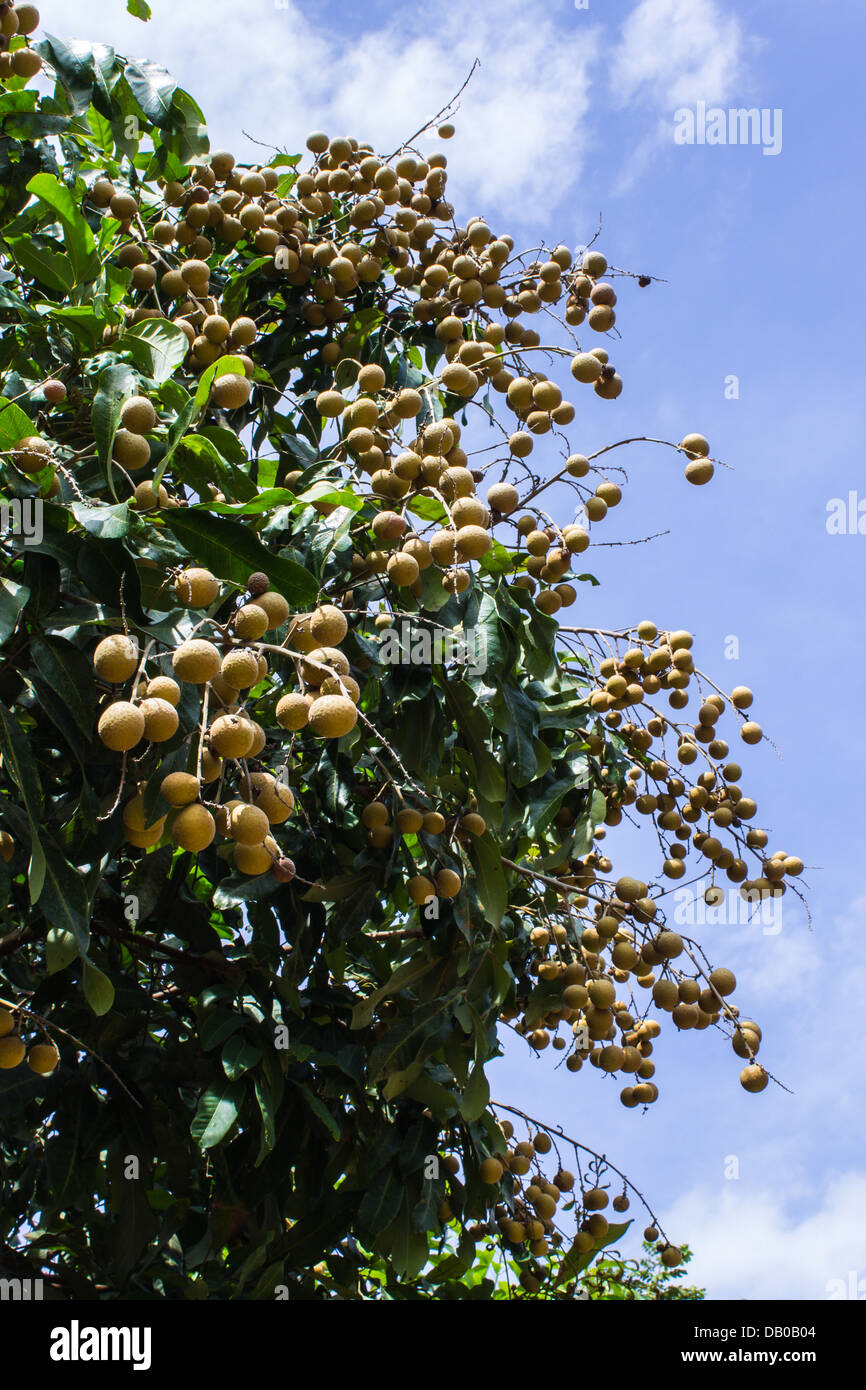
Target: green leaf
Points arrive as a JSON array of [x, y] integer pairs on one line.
[[490, 885], [63, 897], [139, 8], [381, 1203], [153, 88], [98, 989], [217, 1111], [110, 522], [404, 976], [476, 1095], [18, 760], [84, 70], [61, 949], [13, 598], [231, 551], [70, 675], [116, 384], [15, 424], [77, 236], [39, 262], [157, 347]]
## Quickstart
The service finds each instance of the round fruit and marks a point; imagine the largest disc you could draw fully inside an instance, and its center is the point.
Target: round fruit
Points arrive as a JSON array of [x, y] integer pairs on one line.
[[7, 846], [196, 587], [12, 1051], [194, 828], [160, 719], [695, 445], [230, 391], [251, 622], [130, 450], [283, 870], [54, 392], [231, 735], [7, 1023], [275, 606], [164, 688], [138, 415], [116, 658], [248, 825], [420, 890], [180, 788], [328, 625], [32, 454], [43, 1058], [293, 711], [473, 824], [503, 498], [448, 883], [121, 726], [491, 1171], [699, 471], [253, 859], [240, 668], [332, 716], [196, 661]]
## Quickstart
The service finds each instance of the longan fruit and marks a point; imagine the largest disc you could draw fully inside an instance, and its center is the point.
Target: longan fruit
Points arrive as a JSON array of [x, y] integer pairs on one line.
[[194, 828], [328, 625], [160, 719], [12, 1048], [332, 716], [138, 415], [448, 883], [490, 1171], [196, 661], [251, 621], [43, 1058], [196, 587], [116, 658], [180, 788], [121, 726]]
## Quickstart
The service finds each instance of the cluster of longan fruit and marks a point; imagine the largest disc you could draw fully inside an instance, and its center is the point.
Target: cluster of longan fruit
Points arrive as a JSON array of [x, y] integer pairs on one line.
[[42, 1057], [622, 943], [18, 60], [527, 1222], [226, 672]]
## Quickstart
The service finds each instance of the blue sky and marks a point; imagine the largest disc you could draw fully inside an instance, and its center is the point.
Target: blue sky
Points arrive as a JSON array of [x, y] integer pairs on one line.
[[571, 115]]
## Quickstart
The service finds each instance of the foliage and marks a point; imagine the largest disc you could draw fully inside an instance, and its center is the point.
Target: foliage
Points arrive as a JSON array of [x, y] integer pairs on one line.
[[274, 1082]]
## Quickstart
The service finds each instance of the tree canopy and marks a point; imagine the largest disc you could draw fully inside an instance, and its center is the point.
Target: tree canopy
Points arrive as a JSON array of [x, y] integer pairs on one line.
[[308, 779]]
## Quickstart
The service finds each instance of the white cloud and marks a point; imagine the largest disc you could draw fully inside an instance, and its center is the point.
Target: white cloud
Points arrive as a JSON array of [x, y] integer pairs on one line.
[[748, 1246], [676, 52], [522, 128]]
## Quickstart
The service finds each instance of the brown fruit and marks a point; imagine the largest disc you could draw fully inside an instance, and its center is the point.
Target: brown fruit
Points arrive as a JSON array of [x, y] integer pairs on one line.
[[293, 711], [328, 625], [180, 788], [196, 587], [115, 658], [448, 883], [491, 1170], [138, 415], [275, 606], [240, 668], [231, 735], [194, 828], [251, 621], [196, 661], [160, 720], [121, 726], [12, 1051], [229, 391], [43, 1058], [332, 716]]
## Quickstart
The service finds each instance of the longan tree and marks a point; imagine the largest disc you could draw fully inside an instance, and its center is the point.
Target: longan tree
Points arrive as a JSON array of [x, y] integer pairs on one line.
[[306, 777]]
